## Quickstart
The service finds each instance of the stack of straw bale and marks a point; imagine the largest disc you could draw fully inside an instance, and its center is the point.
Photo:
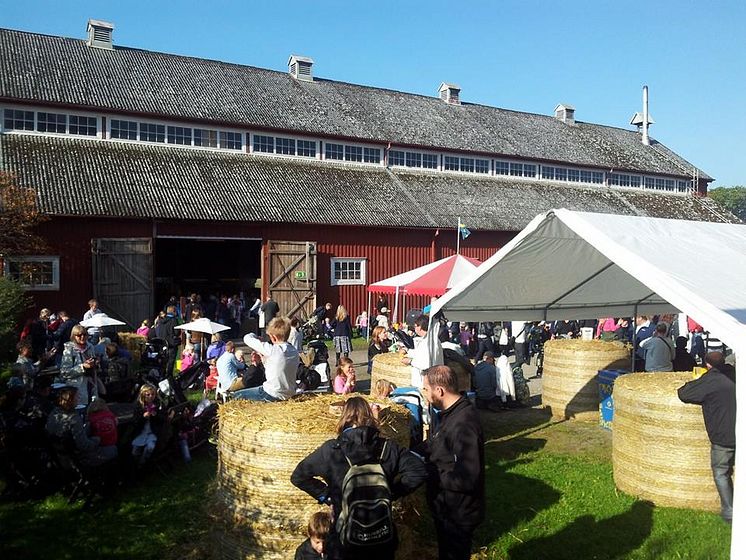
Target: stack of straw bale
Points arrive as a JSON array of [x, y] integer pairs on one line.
[[660, 449], [133, 343], [258, 512], [570, 383], [388, 366]]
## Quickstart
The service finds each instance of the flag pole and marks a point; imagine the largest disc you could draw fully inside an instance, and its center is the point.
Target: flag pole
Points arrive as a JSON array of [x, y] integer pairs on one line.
[[458, 236]]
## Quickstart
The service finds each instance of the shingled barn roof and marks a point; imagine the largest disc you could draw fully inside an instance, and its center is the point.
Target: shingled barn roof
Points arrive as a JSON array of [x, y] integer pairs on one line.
[[79, 177], [55, 70]]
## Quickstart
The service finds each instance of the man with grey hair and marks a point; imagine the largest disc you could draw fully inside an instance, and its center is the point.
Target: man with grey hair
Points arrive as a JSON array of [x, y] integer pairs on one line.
[[455, 463]]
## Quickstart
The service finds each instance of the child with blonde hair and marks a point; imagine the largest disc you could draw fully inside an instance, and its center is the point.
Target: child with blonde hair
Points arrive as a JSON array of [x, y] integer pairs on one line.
[[280, 360], [147, 423], [187, 357]]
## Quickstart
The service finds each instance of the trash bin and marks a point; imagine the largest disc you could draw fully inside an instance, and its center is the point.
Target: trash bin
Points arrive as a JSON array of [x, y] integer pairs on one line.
[[606, 378]]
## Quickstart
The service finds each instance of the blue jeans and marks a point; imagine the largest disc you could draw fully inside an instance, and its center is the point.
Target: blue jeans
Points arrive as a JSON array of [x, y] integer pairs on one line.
[[254, 394], [722, 460]]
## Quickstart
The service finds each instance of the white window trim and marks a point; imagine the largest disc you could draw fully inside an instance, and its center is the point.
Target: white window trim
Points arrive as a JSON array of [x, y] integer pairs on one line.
[[55, 260], [363, 271]]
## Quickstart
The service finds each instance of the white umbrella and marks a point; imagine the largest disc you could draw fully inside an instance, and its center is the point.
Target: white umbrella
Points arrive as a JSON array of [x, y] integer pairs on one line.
[[203, 325], [101, 320]]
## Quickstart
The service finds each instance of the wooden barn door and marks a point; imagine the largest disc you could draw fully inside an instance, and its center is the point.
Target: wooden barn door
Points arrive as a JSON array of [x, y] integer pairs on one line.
[[123, 278], [291, 268]]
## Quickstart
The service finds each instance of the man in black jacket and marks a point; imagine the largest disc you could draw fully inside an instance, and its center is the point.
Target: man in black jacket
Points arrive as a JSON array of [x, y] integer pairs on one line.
[[166, 329], [455, 462], [716, 392]]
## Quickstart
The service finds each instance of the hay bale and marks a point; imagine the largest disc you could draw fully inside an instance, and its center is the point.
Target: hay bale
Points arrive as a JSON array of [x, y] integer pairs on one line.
[[388, 366], [660, 449], [133, 343], [570, 384], [259, 446]]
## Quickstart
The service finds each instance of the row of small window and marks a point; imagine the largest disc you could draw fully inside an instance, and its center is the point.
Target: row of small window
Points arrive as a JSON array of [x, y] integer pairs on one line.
[[186, 136], [43, 121], [571, 175], [654, 183], [307, 148]]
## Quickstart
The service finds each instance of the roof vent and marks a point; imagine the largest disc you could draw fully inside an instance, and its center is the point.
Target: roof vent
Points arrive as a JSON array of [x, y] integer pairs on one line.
[[449, 93], [565, 113], [99, 34], [643, 120], [300, 68]]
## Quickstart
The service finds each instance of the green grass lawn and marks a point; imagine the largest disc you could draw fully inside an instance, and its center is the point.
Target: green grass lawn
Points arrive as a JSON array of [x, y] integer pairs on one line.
[[550, 496]]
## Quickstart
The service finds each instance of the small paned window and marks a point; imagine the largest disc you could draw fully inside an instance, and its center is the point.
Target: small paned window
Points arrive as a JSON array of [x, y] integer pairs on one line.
[[598, 177], [151, 132], [467, 164], [414, 159], [573, 175], [353, 153], [205, 138], [502, 168], [179, 135], [372, 155], [529, 170], [451, 163], [547, 172], [516, 169], [307, 148], [126, 130], [230, 140], [334, 151], [649, 183], [85, 126], [285, 146], [682, 186], [635, 181], [560, 173], [18, 120], [397, 157], [430, 161], [660, 184], [51, 122], [34, 273], [264, 144], [482, 166], [670, 184], [348, 271], [585, 176]]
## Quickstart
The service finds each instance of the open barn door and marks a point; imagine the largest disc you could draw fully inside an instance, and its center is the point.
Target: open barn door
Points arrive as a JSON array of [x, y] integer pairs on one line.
[[291, 267], [123, 277]]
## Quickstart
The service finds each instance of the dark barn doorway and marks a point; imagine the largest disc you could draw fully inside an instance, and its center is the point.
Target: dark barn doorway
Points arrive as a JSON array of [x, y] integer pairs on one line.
[[206, 266]]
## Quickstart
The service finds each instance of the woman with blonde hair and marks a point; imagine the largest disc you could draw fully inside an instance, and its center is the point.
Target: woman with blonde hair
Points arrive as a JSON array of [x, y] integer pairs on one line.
[[358, 442], [342, 330], [78, 364]]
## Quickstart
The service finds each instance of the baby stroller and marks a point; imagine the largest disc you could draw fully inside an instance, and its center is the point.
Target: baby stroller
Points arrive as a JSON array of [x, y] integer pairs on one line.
[[154, 359], [194, 376], [310, 328], [317, 358]]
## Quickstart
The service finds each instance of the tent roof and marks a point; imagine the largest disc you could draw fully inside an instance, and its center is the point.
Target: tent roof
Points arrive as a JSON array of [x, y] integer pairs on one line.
[[432, 279], [579, 265]]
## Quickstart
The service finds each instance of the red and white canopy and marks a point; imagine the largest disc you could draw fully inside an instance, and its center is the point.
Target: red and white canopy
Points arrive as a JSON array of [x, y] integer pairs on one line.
[[433, 279]]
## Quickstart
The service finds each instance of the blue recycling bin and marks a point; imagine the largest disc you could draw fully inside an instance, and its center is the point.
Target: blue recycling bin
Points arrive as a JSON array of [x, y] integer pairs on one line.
[[606, 379]]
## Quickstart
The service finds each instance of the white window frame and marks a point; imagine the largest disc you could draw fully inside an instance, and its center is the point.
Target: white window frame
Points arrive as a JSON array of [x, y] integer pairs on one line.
[[55, 260], [350, 282]]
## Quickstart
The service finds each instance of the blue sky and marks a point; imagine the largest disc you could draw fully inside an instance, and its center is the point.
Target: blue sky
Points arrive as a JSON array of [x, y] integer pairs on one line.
[[522, 55]]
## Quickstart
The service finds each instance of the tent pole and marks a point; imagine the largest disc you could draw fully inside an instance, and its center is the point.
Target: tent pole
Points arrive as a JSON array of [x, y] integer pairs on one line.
[[634, 339], [458, 236], [395, 314], [367, 329]]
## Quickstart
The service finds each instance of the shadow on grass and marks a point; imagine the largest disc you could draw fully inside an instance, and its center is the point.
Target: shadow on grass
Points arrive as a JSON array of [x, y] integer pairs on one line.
[[614, 537], [512, 498]]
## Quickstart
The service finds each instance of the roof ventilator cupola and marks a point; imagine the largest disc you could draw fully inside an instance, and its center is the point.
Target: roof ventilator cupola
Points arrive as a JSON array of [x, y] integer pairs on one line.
[[300, 68], [643, 120], [449, 93], [565, 113], [100, 34]]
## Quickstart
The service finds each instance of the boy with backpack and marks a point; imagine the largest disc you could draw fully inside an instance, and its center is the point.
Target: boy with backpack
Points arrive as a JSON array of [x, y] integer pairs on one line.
[[360, 474]]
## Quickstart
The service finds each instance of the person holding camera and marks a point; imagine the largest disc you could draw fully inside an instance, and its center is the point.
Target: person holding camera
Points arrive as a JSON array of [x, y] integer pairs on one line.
[[79, 365]]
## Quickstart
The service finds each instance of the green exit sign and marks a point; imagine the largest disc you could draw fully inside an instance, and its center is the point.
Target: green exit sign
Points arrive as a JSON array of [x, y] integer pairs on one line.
[[300, 275]]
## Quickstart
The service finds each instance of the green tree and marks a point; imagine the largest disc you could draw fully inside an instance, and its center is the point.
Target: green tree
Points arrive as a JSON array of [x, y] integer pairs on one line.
[[13, 302], [732, 198], [19, 214]]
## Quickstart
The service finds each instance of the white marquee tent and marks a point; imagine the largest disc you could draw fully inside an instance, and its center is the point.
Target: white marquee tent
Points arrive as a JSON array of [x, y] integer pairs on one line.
[[577, 265]]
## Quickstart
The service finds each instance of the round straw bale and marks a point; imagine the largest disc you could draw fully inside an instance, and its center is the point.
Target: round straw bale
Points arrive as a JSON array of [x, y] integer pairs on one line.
[[660, 449], [388, 366], [259, 446], [133, 343], [569, 384]]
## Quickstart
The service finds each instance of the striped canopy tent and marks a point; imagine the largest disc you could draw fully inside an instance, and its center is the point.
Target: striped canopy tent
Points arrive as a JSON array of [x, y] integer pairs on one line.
[[433, 279]]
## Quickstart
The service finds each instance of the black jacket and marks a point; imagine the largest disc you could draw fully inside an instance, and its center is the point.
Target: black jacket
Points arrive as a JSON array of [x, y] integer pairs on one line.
[[716, 392], [343, 327], [166, 329], [306, 552], [455, 461], [322, 472]]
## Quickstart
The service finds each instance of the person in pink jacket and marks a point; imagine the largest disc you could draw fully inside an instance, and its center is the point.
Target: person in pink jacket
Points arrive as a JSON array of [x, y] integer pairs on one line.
[[344, 380]]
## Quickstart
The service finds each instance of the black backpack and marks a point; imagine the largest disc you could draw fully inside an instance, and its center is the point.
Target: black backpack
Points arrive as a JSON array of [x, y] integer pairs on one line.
[[366, 519], [309, 378]]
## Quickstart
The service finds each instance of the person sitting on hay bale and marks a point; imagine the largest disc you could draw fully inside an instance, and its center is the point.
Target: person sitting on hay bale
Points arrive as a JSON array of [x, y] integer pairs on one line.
[[281, 361], [716, 392], [325, 476], [344, 380], [314, 547]]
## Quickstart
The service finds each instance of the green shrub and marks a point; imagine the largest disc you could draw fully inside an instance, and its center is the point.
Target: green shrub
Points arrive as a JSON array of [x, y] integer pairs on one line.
[[13, 301]]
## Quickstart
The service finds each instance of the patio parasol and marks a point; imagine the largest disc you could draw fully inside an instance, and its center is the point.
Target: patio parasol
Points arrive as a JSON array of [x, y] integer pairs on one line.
[[205, 326], [102, 320]]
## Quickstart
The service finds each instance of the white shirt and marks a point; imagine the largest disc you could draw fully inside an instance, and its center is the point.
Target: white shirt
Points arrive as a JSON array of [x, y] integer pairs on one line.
[[506, 383], [296, 339], [420, 356], [519, 331], [280, 366]]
